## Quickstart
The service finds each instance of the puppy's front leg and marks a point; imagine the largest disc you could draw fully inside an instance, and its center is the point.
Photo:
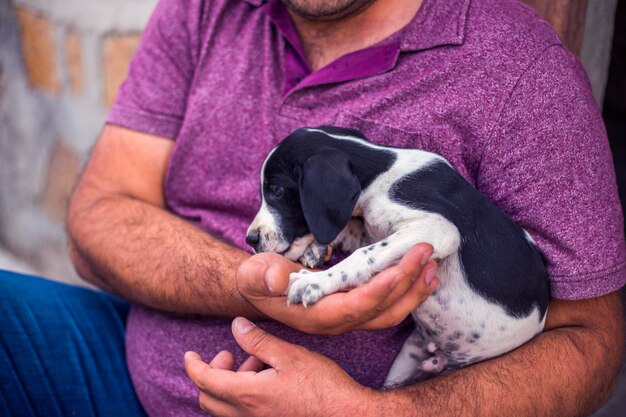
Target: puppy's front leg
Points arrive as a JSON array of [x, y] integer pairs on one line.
[[312, 254], [315, 255], [308, 252], [308, 287]]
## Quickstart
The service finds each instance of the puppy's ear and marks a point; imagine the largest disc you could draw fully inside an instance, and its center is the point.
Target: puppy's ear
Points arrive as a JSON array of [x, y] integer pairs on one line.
[[328, 193]]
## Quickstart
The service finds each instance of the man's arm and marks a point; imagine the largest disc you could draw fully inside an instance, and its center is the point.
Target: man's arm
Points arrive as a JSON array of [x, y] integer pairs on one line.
[[568, 370], [122, 239]]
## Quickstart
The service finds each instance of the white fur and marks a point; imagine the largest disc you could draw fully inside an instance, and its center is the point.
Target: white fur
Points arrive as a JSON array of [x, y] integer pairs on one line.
[[265, 221]]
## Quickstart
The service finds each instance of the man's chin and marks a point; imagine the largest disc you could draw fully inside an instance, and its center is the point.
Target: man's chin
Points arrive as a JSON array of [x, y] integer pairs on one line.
[[326, 10]]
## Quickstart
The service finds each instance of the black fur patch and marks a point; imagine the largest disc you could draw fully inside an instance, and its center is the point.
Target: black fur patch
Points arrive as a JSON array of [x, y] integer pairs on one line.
[[500, 264]]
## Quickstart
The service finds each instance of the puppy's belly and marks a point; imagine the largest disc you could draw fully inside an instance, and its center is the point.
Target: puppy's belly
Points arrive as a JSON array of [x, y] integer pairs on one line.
[[466, 327]]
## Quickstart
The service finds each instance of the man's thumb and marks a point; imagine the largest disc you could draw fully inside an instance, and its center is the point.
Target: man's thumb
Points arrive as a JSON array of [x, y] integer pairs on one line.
[[258, 343], [263, 275]]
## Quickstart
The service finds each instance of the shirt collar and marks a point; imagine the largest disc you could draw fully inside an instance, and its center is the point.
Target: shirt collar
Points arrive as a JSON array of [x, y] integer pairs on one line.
[[437, 23]]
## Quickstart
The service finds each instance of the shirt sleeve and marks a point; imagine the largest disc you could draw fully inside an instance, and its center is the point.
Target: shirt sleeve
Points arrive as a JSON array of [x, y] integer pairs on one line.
[[153, 97], [548, 165]]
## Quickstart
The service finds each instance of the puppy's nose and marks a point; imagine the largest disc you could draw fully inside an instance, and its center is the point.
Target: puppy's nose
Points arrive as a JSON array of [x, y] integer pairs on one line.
[[252, 238]]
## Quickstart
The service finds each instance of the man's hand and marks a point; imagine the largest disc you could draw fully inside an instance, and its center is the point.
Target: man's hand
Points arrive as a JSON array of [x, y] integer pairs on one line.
[[568, 370], [383, 302], [298, 382]]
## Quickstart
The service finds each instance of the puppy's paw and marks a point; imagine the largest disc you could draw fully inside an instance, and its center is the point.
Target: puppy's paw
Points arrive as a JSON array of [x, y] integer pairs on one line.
[[435, 363], [315, 255], [296, 288], [304, 287]]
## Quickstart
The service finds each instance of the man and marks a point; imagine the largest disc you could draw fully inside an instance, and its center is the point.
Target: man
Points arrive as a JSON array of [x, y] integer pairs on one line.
[[160, 213]]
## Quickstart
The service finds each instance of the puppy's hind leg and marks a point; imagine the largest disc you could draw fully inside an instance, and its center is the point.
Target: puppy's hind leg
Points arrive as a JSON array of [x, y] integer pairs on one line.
[[406, 368]]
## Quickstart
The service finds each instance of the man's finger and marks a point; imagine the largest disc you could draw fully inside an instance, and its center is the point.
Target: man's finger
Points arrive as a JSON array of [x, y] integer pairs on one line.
[[416, 268], [251, 364], [389, 285], [223, 360], [408, 302], [416, 258], [218, 383], [264, 346], [411, 288], [250, 276], [196, 368], [265, 275], [276, 279]]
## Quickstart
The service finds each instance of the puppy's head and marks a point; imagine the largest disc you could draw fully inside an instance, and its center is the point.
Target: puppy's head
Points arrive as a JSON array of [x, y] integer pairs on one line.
[[307, 188]]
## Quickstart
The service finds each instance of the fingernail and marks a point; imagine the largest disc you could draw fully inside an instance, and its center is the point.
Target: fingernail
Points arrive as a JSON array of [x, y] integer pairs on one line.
[[189, 355], [425, 257], [268, 282], [242, 325], [430, 274], [270, 277]]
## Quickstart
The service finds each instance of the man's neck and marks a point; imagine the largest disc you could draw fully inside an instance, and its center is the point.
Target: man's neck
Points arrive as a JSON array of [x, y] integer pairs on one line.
[[325, 41]]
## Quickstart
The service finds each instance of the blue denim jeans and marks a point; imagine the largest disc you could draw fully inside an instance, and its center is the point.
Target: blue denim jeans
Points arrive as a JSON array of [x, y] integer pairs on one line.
[[62, 351]]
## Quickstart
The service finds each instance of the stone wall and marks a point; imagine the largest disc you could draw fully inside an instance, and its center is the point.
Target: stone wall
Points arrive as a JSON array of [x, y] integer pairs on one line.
[[61, 62]]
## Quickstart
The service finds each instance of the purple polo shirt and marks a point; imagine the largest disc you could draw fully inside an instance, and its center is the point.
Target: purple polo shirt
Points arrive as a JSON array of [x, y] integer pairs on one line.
[[486, 84]]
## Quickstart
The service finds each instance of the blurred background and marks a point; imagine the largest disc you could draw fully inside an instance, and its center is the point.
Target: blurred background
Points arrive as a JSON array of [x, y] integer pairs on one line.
[[62, 61]]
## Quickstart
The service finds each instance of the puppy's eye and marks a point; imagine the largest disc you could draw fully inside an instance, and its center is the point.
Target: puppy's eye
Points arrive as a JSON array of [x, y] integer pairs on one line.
[[276, 191]]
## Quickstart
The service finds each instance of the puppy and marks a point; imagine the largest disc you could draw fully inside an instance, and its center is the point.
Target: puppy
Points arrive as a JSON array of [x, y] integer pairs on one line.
[[329, 187]]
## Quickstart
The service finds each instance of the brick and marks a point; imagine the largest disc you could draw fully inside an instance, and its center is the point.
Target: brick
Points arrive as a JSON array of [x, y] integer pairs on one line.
[[38, 49], [62, 174], [118, 51], [73, 57]]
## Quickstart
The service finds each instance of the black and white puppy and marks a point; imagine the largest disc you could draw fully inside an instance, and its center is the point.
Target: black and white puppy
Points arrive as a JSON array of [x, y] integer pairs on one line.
[[330, 186]]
